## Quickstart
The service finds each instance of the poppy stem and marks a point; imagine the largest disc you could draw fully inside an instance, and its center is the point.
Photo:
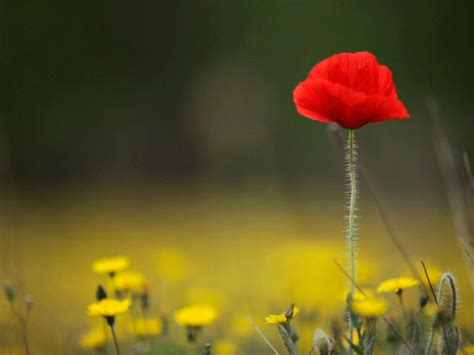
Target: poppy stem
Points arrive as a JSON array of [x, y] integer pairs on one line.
[[352, 204], [351, 231]]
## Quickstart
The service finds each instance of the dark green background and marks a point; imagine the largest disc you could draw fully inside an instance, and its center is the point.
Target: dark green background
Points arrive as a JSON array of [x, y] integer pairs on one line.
[[107, 89]]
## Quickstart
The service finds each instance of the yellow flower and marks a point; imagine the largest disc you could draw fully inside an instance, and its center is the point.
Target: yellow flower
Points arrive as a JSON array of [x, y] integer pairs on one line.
[[431, 309], [195, 316], [396, 284], [108, 308], [146, 326], [224, 347], [358, 295], [94, 338], [280, 318], [275, 318], [468, 349], [129, 280], [110, 265], [172, 264], [370, 308]]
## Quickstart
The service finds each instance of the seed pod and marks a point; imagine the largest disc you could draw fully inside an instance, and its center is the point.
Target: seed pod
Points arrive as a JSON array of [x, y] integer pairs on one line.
[[323, 342]]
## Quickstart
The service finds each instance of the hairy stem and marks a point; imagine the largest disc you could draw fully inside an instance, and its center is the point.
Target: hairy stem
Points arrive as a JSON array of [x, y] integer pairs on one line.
[[351, 234], [352, 204]]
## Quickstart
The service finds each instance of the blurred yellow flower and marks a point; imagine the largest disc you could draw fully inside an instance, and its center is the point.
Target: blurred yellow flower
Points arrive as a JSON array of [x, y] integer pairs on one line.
[[129, 280], [198, 315], [433, 272], [108, 307], [146, 326], [370, 308], [396, 284], [355, 337], [431, 309], [94, 338], [468, 349], [358, 295], [280, 318], [224, 347], [172, 264], [110, 265]]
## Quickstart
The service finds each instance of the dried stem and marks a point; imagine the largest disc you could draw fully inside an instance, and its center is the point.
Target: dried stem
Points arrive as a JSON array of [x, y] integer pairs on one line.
[[114, 337], [257, 329]]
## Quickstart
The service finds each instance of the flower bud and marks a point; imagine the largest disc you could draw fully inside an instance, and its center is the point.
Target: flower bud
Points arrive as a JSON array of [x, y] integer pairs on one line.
[[290, 311], [323, 342], [423, 300], [100, 294], [447, 297]]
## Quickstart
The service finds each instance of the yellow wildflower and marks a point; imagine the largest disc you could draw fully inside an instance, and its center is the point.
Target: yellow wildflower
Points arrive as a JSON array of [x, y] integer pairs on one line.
[[172, 264], [195, 316], [275, 318], [94, 338], [358, 295], [146, 326], [370, 308], [396, 284], [108, 307], [280, 318], [111, 265], [129, 280], [431, 309], [224, 347], [468, 349]]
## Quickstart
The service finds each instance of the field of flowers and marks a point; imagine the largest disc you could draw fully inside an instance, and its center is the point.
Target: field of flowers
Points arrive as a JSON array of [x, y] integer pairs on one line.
[[207, 266]]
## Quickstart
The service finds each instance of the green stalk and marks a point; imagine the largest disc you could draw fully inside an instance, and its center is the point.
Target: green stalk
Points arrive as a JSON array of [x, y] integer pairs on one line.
[[352, 205], [351, 231]]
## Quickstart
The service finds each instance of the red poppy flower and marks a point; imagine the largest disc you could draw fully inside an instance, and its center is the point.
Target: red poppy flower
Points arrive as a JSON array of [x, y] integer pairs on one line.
[[351, 89]]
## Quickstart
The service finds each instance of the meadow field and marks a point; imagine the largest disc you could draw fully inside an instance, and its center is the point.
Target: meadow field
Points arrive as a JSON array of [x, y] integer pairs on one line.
[[246, 253]]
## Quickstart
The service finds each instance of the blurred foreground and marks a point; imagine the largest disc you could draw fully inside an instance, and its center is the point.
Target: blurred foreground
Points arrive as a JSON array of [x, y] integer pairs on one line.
[[248, 253]]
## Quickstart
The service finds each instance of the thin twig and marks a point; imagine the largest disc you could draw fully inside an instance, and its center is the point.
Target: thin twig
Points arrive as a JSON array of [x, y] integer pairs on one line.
[[257, 329], [429, 281], [114, 336], [389, 323]]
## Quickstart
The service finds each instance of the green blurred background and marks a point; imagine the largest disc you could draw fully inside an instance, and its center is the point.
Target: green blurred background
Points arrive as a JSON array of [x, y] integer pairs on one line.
[[195, 91]]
